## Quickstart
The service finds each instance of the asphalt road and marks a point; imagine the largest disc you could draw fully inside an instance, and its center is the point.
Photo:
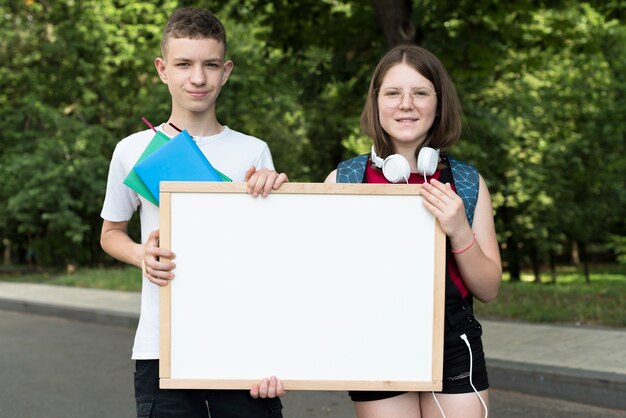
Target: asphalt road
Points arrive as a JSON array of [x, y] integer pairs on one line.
[[52, 367]]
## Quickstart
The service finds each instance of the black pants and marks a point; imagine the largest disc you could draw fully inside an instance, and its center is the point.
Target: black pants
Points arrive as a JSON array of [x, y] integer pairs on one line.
[[187, 403], [456, 363]]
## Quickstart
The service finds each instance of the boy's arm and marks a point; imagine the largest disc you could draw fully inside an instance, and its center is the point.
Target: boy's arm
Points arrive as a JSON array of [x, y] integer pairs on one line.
[[263, 181], [115, 240]]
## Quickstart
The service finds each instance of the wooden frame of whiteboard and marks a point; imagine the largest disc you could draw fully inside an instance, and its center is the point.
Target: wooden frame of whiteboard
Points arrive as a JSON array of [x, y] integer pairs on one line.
[[427, 326]]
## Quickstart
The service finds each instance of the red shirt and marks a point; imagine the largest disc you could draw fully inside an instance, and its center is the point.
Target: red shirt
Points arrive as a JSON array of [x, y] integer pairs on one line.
[[375, 175]]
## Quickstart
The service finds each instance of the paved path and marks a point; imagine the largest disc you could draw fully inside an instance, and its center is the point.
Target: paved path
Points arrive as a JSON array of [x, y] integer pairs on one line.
[[583, 364], [48, 370]]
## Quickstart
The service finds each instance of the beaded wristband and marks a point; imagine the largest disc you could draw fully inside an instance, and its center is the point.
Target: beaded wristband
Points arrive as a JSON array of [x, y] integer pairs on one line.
[[466, 247]]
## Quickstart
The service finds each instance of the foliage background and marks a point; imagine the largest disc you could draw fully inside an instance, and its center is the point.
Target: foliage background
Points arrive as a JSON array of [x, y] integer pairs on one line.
[[542, 85]]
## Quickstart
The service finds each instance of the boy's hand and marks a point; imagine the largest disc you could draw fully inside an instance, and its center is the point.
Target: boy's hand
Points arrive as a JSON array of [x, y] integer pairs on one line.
[[263, 181], [268, 388], [157, 271]]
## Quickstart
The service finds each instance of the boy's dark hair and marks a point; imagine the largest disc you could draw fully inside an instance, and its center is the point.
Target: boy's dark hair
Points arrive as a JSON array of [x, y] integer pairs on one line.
[[193, 23], [447, 126]]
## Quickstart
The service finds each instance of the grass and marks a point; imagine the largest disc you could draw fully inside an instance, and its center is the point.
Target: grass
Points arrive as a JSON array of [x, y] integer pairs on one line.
[[123, 278], [570, 300]]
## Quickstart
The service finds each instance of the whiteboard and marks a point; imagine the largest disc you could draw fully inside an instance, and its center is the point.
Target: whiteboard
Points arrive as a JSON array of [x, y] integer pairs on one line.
[[315, 284]]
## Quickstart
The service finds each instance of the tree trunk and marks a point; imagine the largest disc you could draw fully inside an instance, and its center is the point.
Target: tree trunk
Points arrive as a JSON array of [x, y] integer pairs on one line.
[[395, 20], [575, 253], [514, 265], [536, 265], [6, 256], [585, 260], [553, 267], [511, 251]]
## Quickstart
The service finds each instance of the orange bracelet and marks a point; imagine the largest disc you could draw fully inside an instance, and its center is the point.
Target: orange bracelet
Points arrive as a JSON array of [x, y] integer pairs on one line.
[[462, 250]]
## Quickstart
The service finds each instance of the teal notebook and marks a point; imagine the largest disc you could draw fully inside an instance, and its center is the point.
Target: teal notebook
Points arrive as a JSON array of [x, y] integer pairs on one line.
[[179, 159], [133, 180]]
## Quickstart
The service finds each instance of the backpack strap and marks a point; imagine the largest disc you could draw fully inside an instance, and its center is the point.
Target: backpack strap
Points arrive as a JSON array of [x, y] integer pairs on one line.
[[352, 170], [464, 175], [466, 182]]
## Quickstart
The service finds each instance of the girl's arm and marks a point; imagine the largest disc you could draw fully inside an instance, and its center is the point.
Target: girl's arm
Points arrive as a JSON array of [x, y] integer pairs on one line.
[[479, 262], [332, 177]]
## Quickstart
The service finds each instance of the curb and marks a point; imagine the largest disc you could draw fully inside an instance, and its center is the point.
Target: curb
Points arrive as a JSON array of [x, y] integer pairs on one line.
[[98, 316], [603, 389]]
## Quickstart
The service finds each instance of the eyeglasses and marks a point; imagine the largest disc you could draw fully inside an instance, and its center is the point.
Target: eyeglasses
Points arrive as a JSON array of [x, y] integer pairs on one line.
[[392, 97]]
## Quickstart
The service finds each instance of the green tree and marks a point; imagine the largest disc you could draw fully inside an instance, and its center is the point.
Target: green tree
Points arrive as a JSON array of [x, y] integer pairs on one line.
[[559, 97], [69, 85], [542, 85]]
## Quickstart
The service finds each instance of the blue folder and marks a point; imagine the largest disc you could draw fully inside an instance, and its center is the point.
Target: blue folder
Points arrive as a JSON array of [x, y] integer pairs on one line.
[[133, 180], [179, 159]]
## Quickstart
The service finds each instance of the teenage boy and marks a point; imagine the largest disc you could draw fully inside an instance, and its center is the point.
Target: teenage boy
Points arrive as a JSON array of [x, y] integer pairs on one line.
[[194, 68]]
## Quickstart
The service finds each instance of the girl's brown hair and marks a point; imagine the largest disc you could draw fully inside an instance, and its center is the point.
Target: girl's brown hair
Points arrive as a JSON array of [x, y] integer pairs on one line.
[[446, 128]]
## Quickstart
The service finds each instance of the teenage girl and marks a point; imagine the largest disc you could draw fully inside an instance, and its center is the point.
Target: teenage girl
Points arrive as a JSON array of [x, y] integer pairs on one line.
[[412, 106]]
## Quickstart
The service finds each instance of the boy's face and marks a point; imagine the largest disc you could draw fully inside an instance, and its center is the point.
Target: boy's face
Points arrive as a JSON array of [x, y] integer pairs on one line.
[[194, 71]]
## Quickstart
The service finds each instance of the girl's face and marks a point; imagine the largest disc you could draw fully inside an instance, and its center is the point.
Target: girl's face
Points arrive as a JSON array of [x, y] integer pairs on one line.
[[407, 105]]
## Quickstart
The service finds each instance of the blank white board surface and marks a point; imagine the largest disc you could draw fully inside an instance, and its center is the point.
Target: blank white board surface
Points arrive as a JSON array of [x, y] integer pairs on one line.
[[311, 284]]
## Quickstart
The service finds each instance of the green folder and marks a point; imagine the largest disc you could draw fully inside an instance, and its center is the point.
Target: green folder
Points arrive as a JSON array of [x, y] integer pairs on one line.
[[133, 180], [223, 176]]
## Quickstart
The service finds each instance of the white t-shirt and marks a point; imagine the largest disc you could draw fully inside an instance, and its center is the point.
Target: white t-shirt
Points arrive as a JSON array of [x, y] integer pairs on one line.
[[230, 152]]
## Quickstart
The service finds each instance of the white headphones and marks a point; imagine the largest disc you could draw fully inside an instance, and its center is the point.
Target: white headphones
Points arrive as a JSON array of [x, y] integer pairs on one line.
[[396, 167]]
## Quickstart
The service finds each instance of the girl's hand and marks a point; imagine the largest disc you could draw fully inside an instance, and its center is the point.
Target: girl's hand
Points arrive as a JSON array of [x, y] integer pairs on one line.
[[448, 208]]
